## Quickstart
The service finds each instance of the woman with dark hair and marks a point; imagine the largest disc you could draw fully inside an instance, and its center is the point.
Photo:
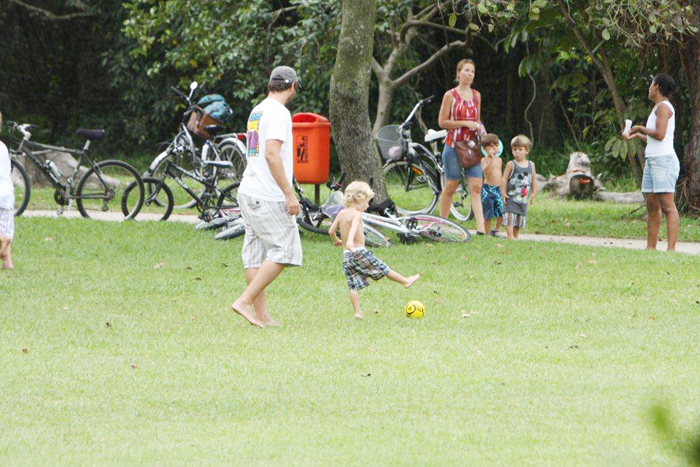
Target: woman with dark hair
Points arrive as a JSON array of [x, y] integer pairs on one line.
[[662, 167], [460, 115]]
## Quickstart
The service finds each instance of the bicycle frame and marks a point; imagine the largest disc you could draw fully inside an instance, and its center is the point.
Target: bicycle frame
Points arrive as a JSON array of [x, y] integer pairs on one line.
[[174, 171], [391, 223], [65, 190]]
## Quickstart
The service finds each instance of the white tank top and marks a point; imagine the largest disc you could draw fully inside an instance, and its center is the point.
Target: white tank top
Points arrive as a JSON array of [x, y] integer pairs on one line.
[[664, 147]]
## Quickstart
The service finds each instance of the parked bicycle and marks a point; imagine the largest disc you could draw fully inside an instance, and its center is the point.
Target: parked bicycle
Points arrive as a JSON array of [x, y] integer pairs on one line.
[[183, 151], [414, 173], [99, 192]]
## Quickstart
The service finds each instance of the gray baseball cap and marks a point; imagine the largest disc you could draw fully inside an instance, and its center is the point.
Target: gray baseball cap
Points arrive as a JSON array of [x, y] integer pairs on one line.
[[286, 74]]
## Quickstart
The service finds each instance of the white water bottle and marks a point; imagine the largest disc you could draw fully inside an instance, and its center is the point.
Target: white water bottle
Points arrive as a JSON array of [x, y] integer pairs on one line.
[[54, 169]]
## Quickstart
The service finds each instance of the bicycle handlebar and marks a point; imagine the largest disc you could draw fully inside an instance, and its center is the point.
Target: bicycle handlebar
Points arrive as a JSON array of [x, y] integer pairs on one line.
[[420, 104], [23, 128], [177, 91]]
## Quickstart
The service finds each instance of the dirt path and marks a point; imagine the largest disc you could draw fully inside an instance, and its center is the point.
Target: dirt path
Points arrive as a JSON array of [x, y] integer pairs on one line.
[[632, 244]]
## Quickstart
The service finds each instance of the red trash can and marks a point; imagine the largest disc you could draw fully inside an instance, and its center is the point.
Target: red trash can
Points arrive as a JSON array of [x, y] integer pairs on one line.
[[312, 147]]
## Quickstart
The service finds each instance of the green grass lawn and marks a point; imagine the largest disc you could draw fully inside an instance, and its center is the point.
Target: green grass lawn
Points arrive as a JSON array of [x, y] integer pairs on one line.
[[133, 355]]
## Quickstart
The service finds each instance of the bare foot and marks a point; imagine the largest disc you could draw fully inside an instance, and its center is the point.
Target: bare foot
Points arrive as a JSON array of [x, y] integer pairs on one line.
[[269, 322], [8, 266], [247, 313], [411, 280], [359, 315]]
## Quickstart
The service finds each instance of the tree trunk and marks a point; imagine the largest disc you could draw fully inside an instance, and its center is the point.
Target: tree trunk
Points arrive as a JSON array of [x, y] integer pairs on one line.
[[349, 95], [691, 159], [384, 101]]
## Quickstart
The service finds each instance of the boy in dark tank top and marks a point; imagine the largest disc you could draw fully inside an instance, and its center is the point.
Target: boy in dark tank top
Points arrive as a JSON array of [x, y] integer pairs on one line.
[[519, 184]]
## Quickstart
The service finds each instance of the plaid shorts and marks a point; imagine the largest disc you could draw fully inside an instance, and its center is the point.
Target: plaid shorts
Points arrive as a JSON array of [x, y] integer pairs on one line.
[[514, 220], [360, 265], [270, 233], [7, 223]]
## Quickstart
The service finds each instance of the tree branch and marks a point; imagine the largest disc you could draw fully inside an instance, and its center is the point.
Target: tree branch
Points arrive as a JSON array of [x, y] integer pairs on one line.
[[433, 58], [415, 23], [47, 15]]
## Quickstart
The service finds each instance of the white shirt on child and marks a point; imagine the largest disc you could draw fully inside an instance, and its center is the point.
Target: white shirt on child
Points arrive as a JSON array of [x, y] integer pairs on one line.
[[7, 189]]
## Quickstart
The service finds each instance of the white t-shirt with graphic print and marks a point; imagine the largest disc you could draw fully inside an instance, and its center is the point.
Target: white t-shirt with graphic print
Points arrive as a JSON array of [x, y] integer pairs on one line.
[[268, 120]]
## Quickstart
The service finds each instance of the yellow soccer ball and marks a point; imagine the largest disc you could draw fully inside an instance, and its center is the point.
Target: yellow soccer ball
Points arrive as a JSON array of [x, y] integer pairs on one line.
[[414, 309]]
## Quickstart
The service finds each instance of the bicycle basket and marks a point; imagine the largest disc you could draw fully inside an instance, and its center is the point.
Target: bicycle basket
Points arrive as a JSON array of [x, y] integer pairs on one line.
[[389, 141], [199, 120]]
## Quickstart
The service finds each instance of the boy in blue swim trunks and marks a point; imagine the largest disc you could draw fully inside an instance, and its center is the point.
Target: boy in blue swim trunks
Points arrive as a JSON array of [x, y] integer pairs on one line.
[[360, 264], [491, 200]]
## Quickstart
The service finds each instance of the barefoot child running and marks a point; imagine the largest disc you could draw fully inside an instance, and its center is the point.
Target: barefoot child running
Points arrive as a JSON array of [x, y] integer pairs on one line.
[[359, 263], [491, 199]]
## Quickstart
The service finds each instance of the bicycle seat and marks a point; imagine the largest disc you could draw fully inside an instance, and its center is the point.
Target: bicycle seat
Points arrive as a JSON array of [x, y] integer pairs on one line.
[[433, 135], [222, 164], [92, 135], [382, 207], [214, 129]]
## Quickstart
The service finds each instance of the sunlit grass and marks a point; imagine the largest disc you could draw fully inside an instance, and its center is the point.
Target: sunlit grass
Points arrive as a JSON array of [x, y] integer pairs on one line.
[[119, 347]]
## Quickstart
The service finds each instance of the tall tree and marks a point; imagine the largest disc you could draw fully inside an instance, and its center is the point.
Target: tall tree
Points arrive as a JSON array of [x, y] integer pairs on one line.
[[691, 65], [349, 94]]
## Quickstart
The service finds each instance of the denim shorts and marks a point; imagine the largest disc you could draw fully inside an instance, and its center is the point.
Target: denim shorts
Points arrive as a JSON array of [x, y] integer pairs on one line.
[[660, 174], [454, 171]]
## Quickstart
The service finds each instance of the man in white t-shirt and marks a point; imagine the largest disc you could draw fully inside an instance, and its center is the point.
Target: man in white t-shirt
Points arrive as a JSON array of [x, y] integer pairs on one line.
[[268, 204], [7, 206]]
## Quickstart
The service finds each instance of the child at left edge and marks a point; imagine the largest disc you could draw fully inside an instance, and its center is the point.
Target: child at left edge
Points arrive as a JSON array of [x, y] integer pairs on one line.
[[360, 264]]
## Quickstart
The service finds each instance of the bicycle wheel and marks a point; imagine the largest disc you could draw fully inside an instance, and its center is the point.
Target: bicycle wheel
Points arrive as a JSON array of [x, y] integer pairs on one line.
[[158, 204], [461, 207], [232, 153], [228, 199], [409, 187], [437, 229], [100, 193], [314, 221], [375, 238], [234, 229], [183, 159], [23, 186]]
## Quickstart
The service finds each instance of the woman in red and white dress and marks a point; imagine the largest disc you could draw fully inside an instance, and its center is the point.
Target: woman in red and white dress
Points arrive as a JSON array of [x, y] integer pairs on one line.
[[460, 115]]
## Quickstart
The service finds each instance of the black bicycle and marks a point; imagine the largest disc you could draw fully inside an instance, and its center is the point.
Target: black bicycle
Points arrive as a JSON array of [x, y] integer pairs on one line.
[[182, 151], [99, 192]]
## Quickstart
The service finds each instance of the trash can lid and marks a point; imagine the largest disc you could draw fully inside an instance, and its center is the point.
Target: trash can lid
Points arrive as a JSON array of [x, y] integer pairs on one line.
[[309, 117]]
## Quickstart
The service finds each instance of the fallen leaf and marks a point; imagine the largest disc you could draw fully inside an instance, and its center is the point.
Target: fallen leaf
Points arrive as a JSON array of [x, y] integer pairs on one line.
[[592, 261], [376, 312], [108, 325], [48, 239], [478, 352], [499, 245], [188, 268], [567, 223], [65, 308], [652, 317], [465, 314], [133, 367], [25, 351], [367, 375], [193, 317], [224, 265], [465, 257], [159, 265], [198, 278], [578, 265], [583, 336]]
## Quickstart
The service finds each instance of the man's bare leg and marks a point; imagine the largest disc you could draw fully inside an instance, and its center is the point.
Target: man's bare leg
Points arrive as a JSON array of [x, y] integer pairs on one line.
[[670, 212], [653, 220], [243, 305], [487, 226], [510, 231], [259, 302], [405, 281], [355, 299], [499, 222], [516, 231]]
